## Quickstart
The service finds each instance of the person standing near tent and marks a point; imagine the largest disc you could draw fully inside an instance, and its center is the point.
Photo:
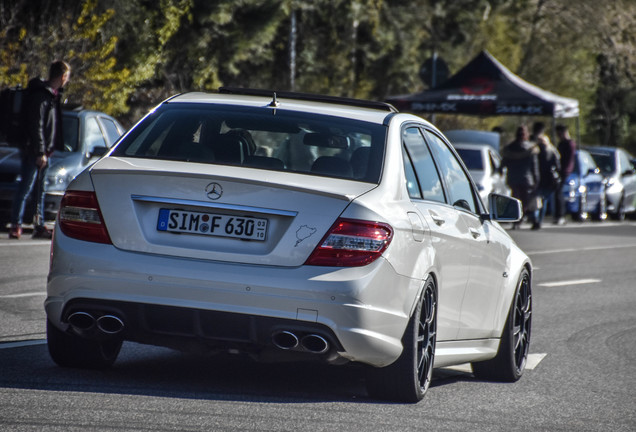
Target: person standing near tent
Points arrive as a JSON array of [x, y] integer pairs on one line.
[[567, 150], [549, 167], [521, 159]]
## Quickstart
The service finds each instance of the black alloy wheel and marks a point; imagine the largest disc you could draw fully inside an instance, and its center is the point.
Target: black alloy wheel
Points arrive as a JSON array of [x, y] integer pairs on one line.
[[408, 378], [509, 363]]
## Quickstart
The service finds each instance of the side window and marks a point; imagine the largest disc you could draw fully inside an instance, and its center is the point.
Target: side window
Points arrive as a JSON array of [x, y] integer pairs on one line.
[[111, 130], [425, 171], [93, 133], [624, 162], [411, 178], [458, 183]]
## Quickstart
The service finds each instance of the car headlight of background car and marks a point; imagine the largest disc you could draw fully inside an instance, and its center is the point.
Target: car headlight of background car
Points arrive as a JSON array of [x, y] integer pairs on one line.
[[58, 179], [613, 185]]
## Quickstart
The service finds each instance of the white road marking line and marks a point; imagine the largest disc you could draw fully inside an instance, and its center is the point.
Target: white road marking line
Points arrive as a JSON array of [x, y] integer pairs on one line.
[[464, 367], [532, 362], [583, 249], [33, 294], [570, 282], [22, 343]]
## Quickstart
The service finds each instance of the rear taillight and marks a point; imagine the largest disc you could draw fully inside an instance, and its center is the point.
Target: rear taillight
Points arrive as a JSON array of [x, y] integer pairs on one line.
[[80, 217], [351, 243]]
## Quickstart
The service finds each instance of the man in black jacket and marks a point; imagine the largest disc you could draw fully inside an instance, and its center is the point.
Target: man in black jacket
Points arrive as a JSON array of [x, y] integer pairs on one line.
[[43, 117], [521, 159]]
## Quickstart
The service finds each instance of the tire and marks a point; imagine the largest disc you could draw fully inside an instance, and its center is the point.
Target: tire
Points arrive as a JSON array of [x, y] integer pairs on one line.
[[620, 211], [408, 378], [510, 361], [69, 350]]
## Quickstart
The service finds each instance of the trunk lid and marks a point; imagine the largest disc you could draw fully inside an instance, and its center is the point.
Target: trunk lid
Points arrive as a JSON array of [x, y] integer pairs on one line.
[[214, 212]]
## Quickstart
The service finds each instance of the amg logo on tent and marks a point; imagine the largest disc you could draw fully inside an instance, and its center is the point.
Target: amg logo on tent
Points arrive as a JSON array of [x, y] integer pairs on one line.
[[432, 107], [518, 109]]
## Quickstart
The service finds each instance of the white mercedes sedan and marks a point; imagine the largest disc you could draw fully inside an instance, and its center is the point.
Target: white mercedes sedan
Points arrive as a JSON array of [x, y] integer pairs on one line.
[[290, 227]]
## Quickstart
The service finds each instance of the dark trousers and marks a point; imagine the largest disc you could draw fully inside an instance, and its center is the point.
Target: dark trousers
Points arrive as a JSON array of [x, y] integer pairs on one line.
[[559, 202], [32, 180]]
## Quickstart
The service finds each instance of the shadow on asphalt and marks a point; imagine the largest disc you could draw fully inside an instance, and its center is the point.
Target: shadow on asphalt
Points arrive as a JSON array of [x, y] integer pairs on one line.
[[160, 372]]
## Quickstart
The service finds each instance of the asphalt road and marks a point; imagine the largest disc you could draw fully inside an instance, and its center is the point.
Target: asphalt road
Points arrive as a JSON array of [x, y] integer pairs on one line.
[[582, 373]]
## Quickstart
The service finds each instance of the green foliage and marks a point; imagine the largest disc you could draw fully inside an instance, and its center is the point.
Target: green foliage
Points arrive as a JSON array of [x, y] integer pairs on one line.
[[127, 55]]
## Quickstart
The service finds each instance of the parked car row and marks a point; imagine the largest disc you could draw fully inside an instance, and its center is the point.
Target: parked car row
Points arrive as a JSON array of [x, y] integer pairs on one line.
[[87, 136], [619, 174], [602, 184]]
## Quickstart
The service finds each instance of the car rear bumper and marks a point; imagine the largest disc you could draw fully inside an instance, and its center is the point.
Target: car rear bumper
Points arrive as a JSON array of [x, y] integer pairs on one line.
[[362, 312]]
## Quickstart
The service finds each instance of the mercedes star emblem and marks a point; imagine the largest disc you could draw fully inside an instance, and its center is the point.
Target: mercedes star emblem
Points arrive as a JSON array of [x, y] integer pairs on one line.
[[214, 191]]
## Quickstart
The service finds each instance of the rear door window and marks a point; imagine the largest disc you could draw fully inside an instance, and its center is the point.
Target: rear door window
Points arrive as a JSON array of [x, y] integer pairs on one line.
[[456, 180], [423, 167]]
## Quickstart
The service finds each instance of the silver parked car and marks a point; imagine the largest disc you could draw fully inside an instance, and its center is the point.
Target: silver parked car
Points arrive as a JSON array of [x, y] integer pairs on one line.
[[290, 227], [620, 176], [87, 136], [484, 164]]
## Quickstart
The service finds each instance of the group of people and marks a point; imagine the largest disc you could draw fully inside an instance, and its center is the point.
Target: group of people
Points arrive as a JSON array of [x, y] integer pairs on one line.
[[43, 135], [536, 170]]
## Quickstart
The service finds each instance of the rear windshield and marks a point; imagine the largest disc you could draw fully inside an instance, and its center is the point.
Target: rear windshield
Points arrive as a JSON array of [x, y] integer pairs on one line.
[[260, 138]]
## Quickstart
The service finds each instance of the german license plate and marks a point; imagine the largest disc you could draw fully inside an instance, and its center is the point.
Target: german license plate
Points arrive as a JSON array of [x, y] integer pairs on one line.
[[220, 225]]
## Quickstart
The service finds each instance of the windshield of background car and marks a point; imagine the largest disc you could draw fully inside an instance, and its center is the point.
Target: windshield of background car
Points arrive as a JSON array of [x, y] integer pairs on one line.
[[605, 162], [472, 158], [70, 126], [262, 138]]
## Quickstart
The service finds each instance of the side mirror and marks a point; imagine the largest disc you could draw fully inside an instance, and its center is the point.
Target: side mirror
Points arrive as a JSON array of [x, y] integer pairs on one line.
[[504, 208]]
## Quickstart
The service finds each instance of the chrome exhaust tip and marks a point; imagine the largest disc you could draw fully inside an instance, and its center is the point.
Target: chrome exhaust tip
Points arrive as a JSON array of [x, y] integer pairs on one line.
[[315, 344], [285, 340], [110, 324], [81, 321]]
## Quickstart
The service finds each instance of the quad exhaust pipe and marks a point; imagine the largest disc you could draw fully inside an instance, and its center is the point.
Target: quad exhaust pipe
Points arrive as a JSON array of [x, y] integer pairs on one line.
[[312, 343], [85, 323], [315, 344], [285, 340]]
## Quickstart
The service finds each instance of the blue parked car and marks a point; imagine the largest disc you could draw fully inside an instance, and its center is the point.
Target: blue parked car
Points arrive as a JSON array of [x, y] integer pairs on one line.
[[584, 189]]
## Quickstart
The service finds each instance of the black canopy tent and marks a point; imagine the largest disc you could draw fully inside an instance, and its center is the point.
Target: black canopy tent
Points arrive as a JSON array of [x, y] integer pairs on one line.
[[485, 87]]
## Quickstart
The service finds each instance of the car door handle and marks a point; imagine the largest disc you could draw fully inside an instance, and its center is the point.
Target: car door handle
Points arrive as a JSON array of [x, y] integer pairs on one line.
[[437, 219], [475, 233]]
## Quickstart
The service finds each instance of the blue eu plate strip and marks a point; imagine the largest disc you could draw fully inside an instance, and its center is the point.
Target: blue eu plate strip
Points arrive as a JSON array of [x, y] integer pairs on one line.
[[162, 223]]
